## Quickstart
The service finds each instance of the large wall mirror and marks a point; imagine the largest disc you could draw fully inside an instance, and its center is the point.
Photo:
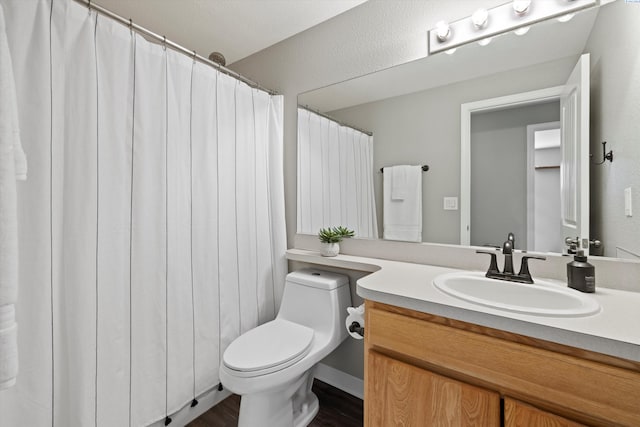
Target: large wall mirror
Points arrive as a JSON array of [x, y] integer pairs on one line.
[[508, 178]]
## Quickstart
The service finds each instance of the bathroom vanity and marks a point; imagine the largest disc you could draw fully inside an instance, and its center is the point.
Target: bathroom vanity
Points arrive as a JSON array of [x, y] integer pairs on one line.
[[421, 369], [432, 359]]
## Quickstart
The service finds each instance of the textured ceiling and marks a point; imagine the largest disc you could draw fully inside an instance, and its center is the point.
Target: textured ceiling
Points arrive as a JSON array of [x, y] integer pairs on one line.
[[236, 28]]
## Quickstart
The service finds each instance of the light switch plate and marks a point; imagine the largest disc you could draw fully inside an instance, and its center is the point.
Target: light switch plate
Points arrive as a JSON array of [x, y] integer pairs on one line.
[[627, 202], [450, 203]]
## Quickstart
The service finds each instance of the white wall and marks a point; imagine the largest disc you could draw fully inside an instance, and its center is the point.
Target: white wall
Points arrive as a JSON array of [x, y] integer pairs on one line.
[[615, 117]]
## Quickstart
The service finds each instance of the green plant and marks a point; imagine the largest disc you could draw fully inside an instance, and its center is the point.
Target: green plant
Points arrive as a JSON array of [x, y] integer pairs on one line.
[[334, 234], [344, 231], [328, 235]]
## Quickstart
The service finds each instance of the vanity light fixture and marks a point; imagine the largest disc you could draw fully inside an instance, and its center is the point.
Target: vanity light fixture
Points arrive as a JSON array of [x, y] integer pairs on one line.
[[521, 7], [483, 24], [443, 31], [480, 18], [521, 31], [485, 42]]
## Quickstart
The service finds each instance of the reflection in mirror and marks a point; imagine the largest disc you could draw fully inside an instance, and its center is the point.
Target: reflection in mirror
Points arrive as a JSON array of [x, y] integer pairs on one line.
[[499, 174], [414, 113], [335, 183]]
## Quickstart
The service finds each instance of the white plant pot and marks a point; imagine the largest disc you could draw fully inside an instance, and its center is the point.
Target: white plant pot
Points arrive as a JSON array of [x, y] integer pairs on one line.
[[330, 249]]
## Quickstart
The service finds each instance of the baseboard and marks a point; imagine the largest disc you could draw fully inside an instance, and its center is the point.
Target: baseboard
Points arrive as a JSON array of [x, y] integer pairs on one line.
[[340, 380]]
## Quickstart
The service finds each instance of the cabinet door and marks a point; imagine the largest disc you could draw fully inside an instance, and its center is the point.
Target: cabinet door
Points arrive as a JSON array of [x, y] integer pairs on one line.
[[399, 394], [518, 414]]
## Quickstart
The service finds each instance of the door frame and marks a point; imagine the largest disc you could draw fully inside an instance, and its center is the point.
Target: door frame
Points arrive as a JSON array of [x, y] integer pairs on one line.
[[485, 105]]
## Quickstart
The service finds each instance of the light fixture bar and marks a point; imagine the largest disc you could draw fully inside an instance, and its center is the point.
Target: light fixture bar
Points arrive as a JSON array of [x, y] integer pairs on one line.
[[502, 19]]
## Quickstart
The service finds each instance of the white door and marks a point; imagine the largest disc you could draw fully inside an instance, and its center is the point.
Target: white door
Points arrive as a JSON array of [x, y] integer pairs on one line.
[[574, 169]]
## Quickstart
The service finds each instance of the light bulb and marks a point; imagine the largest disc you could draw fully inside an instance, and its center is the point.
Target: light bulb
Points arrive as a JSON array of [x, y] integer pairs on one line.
[[442, 31], [521, 31], [450, 51], [485, 42], [480, 18], [566, 18], [521, 7]]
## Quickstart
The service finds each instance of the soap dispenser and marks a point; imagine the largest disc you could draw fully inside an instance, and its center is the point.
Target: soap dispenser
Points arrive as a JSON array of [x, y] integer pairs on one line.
[[580, 274]]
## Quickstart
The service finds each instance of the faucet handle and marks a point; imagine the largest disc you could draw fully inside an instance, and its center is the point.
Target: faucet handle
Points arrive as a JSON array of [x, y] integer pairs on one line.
[[524, 265], [493, 266]]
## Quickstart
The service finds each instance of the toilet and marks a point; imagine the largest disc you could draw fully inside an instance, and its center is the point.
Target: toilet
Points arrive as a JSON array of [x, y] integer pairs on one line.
[[271, 366]]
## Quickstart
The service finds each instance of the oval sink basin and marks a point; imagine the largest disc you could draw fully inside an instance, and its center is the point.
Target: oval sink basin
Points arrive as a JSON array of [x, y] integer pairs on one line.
[[542, 298]]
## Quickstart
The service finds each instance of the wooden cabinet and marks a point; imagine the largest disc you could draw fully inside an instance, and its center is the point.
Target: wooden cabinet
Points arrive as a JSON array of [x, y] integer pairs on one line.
[[401, 394], [518, 414], [413, 359]]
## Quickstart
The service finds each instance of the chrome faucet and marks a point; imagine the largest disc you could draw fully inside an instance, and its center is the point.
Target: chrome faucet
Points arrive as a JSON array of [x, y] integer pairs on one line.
[[523, 276]]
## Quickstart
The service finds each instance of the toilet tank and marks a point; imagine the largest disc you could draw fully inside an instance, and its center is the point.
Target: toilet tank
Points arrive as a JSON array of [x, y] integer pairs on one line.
[[317, 299]]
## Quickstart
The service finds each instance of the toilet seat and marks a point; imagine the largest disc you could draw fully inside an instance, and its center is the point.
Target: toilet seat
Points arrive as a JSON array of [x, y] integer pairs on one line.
[[270, 347]]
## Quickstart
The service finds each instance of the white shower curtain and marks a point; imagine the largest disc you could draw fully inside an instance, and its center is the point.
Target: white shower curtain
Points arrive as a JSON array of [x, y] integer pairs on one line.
[[151, 229], [335, 177]]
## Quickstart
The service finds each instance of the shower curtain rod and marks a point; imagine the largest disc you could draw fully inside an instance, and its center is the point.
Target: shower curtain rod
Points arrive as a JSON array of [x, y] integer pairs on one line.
[[192, 53], [333, 119]]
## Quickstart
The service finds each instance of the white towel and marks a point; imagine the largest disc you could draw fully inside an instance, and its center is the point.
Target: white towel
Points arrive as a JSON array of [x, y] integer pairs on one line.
[[8, 346], [8, 104], [12, 165], [400, 181], [402, 218]]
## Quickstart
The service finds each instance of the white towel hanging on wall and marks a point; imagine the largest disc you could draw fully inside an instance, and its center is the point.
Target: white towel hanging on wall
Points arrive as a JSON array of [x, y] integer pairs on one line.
[[402, 218], [401, 182], [13, 165]]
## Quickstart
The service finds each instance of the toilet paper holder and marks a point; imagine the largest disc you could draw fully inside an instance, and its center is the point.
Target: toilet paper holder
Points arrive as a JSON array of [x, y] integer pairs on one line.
[[355, 327]]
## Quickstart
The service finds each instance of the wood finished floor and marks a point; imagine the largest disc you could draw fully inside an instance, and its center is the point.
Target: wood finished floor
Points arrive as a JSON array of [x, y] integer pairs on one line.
[[337, 409]]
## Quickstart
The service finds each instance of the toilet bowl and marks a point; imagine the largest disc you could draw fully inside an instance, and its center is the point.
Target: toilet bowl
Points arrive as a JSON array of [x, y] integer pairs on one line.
[[271, 366]]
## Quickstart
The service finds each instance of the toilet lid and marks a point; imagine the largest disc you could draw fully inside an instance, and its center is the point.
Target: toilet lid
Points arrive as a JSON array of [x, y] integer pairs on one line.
[[268, 348]]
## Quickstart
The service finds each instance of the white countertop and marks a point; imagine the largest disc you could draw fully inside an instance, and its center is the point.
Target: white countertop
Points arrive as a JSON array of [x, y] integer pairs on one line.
[[615, 330]]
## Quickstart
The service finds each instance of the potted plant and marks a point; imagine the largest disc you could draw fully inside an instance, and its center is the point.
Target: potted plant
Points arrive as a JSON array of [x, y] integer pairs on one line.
[[331, 238]]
